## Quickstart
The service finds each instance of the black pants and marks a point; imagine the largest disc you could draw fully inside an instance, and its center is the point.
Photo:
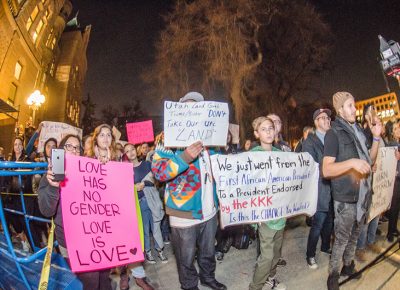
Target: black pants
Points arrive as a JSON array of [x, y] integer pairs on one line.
[[393, 213]]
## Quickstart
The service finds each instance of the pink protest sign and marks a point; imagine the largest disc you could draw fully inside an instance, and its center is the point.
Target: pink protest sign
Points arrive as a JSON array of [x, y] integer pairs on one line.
[[99, 214], [140, 132]]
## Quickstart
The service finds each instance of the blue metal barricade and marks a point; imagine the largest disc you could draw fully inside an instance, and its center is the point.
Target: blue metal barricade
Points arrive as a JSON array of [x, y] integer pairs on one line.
[[29, 265]]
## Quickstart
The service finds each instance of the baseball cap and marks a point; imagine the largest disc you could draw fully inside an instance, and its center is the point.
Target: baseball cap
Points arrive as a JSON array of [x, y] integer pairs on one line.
[[320, 111]]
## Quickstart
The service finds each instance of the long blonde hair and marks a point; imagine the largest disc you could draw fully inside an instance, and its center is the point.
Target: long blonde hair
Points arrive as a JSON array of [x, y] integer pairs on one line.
[[93, 143]]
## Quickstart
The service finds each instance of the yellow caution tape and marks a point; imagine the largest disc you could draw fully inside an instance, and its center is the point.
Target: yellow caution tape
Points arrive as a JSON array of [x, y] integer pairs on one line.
[[13, 193], [44, 276]]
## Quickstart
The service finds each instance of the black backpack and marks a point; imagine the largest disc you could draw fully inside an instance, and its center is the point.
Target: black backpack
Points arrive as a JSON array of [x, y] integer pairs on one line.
[[242, 236]]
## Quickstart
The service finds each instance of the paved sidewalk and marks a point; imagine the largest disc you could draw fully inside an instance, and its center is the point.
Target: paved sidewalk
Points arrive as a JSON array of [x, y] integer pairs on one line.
[[236, 270]]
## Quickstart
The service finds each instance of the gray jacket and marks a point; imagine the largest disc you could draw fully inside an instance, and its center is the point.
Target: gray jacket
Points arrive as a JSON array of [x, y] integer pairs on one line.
[[50, 206], [315, 147]]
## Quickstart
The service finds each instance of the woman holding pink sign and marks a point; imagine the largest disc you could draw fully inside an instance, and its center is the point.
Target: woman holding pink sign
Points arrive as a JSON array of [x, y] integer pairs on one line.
[[50, 206]]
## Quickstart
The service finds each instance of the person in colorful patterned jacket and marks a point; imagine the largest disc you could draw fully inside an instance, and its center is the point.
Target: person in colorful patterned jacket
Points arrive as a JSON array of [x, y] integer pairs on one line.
[[191, 203]]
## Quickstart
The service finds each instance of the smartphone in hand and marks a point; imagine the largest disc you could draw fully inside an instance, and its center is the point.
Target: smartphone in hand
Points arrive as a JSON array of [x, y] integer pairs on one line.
[[57, 163]]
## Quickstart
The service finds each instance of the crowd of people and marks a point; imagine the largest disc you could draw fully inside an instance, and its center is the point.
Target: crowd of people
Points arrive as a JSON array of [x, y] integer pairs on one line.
[[345, 150]]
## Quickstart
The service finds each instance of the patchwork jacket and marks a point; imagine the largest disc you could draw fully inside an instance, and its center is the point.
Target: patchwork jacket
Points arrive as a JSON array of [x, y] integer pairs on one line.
[[183, 188]]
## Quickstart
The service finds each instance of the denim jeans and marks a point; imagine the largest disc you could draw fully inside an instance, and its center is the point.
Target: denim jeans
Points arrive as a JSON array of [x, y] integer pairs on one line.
[[138, 271], [368, 233], [322, 225], [186, 241], [150, 226], [347, 230], [393, 213]]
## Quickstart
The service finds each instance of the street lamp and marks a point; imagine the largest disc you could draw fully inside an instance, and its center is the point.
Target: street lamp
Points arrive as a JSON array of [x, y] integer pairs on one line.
[[35, 100]]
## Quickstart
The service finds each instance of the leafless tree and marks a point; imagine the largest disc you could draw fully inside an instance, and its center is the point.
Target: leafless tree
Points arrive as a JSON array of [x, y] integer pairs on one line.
[[237, 49]]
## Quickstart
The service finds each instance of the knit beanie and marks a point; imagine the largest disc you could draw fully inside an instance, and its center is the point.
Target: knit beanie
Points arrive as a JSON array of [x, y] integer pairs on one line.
[[339, 98]]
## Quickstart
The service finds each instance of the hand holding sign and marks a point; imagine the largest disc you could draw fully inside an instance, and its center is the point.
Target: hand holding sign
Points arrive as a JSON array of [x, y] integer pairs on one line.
[[192, 151]]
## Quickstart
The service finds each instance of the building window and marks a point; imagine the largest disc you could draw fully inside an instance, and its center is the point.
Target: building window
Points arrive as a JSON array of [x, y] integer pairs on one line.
[[32, 18], [12, 93], [18, 70], [37, 31]]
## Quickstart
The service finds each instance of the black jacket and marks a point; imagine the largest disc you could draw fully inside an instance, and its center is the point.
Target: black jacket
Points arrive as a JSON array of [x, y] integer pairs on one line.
[[315, 147]]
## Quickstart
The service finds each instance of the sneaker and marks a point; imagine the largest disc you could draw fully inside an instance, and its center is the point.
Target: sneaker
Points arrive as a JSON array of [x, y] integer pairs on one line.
[[333, 281], [166, 241], [219, 256], [328, 251], [162, 257], [281, 262], [361, 255], [275, 284], [390, 238], [25, 246], [312, 263], [374, 248], [350, 270], [149, 258]]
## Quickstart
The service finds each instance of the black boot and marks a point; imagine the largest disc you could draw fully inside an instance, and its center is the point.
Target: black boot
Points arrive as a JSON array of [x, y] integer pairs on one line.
[[350, 270], [333, 281]]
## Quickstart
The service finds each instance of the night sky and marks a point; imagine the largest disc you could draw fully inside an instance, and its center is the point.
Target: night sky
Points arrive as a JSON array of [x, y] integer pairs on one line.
[[124, 31]]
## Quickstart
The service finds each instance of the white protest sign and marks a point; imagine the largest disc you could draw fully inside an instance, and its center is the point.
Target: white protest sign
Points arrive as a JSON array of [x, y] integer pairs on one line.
[[186, 123], [383, 181], [57, 131], [260, 186]]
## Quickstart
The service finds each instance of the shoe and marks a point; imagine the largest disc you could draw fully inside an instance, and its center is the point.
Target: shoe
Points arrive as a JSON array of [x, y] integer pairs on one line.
[[361, 255], [275, 284], [142, 283], [162, 257], [329, 251], [312, 263], [390, 238], [383, 219], [124, 282], [149, 258], [219, 256], [25, 246], [374, 248], [333, 281], [350, 270], [395, 233], [214, 285], [166, 241], [281, 262]]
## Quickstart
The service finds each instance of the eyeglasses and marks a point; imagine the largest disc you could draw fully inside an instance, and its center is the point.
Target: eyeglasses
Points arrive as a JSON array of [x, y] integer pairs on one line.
[[71, 148], [324, 118]]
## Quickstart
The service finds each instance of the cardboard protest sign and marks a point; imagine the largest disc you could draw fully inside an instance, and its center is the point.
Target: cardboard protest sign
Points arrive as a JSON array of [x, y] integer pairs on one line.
[[260, 186], [383, 181], [234, 130], [140, 132], [186, 123], [56, 130], [99, 214]]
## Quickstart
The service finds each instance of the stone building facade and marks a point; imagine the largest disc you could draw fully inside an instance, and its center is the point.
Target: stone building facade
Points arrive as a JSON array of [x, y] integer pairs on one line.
[[39, 50]]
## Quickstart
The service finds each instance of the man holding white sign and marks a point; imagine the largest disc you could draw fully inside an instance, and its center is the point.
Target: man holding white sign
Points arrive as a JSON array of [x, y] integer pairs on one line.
[[263, 188], [190, 197]]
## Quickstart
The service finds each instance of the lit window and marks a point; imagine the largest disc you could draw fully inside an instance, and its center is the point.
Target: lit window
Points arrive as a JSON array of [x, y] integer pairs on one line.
[[12, 93], [38, 29], [32, 18], [18, 70]]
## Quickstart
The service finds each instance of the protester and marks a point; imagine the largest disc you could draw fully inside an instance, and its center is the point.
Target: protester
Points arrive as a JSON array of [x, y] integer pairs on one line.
[[247, 145], [50, 206], [87, 141], [366, 240], [152, 214], [143, 150], [347, 162], [393, 212], [306, 130], [322, 221], [282, 145], [13, 200], [271, 232], [193, 220]]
